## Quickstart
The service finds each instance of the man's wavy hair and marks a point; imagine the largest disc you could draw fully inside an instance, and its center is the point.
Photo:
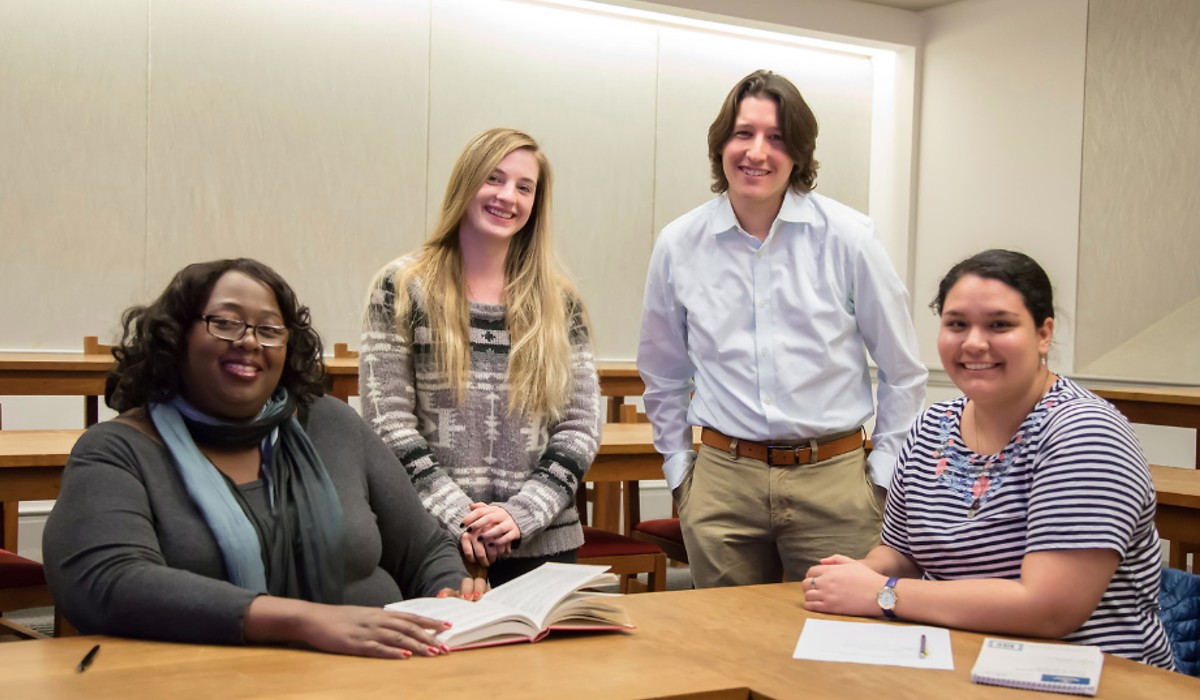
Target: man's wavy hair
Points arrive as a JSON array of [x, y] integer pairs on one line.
[[154, 337], [796, 122]]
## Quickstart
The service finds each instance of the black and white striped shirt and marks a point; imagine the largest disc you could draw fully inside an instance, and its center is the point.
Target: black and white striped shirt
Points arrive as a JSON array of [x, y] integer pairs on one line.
[[1073, 477]]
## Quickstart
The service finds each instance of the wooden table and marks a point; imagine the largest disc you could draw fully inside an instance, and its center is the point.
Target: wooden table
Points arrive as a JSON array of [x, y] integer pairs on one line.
[[626, 455], [32, 461], [1158, 405], [1178, 512], [715, 644], [56, 374], [77, 374], [31, 467], [618, 379]]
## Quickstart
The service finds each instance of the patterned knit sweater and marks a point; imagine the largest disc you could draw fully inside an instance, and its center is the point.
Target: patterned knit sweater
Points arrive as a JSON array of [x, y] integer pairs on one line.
[[457, 453]]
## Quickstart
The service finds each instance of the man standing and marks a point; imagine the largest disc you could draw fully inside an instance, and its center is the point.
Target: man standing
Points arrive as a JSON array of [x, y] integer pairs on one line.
[[761, 302]]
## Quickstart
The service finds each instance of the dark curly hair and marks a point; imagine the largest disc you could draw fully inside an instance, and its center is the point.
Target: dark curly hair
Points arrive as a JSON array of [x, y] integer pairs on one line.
[[797, 124], [153, 341], [1017, 270]]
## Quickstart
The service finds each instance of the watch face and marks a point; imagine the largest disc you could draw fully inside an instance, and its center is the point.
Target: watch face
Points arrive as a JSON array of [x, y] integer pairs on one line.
[[886, 598]]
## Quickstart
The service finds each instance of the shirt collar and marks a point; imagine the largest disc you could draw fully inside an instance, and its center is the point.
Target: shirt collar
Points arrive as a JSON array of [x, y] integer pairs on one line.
[[797, 208]]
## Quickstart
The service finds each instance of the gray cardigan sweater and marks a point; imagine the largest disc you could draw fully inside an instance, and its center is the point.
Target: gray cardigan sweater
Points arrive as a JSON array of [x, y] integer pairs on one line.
[[457, 452], [128, 554]]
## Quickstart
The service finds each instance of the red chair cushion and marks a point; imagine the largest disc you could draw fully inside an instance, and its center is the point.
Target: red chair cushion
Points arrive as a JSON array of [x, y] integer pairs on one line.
[[602, 543], [663, 528], [18, 572]]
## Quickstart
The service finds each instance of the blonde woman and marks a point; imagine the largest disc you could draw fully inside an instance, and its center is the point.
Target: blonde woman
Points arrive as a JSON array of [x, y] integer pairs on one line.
[[476, 365]]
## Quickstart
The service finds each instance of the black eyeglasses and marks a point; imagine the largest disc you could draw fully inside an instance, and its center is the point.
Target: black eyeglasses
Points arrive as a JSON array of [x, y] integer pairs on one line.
[[232, 329]]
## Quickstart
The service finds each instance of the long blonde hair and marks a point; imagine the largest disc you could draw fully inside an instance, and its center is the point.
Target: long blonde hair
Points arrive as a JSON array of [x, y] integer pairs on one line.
[[541, 302]]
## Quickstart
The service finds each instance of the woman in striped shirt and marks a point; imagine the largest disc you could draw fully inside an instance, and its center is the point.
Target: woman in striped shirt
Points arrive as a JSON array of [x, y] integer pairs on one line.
[[1025, 506]]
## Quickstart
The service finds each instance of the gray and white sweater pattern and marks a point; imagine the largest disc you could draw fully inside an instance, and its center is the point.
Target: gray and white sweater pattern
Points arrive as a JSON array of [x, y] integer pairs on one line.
[[457, 453]]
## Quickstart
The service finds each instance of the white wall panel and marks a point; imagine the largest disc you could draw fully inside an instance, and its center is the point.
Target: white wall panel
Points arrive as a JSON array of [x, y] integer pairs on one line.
[[1000, 142], [583, 86], [291, 132], [697, 71], [317, 135], [1141, 165], [72, 183]]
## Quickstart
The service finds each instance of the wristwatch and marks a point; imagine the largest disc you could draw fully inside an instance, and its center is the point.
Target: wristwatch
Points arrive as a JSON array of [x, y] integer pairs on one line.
[[887, 598]]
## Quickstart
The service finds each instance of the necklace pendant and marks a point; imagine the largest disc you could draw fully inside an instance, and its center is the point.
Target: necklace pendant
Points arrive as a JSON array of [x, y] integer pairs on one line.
[[973, 509]]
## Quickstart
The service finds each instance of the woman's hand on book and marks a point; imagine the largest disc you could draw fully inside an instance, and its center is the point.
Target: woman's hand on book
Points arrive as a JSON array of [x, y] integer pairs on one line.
[[343, 629], [473, 588], [375, 632]]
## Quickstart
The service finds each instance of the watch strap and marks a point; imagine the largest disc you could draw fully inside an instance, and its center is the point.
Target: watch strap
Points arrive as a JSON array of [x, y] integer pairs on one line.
[[888, 612]]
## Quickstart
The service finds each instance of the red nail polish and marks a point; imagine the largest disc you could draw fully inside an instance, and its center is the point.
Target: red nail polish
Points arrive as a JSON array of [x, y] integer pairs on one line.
[[446, 648], [431, 650], [446, 625]]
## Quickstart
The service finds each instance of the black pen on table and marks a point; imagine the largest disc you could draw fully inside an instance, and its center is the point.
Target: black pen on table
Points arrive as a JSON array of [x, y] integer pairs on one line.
[[88, 659], [923, 651]]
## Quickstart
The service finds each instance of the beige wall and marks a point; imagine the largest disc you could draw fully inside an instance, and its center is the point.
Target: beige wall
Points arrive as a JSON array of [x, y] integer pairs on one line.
[[1139, 247], [73, 181], [1000, 140], [318, 136]]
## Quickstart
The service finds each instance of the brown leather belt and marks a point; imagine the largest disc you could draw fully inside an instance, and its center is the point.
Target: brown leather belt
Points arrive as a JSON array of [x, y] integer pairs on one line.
[[783, 455]]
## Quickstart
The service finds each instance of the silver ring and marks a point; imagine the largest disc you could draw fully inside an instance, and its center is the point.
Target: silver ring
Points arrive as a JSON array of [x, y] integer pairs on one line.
[[813, 582]]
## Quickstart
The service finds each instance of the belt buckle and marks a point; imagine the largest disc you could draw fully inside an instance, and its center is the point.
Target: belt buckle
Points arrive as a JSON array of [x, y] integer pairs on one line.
[[733, 448]]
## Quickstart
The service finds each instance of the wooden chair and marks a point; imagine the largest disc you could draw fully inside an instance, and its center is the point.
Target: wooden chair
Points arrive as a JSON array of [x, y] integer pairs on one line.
[[91, 404], [625, 556], [664, 533], [22, 585], [343, 350], [8, 516]]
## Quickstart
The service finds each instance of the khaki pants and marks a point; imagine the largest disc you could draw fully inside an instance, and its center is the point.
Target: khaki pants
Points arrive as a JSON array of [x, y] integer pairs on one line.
[[746, 522]]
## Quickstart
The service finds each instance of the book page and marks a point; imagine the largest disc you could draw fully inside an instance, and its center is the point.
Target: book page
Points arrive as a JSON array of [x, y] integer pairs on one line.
[[538, 592], [584, 610], [467, 618], [882, 644]]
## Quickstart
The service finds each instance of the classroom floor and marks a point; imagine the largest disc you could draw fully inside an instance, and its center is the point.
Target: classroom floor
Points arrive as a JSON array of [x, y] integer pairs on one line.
[[37, 619]]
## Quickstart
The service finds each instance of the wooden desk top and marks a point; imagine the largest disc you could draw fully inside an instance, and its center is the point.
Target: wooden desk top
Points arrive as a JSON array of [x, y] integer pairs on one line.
[[624, 369], [50, 448], [717, 643], [1178, 395], [54, 362], [631, 439], [1177, 486], [36, 448], [341, 366]]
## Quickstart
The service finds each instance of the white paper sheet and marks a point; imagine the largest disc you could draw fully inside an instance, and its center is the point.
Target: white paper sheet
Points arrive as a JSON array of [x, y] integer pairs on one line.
[[882, 644]]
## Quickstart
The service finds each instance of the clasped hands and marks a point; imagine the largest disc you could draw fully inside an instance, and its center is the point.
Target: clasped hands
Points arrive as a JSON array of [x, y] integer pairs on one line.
[[490, 533], [844, 586]]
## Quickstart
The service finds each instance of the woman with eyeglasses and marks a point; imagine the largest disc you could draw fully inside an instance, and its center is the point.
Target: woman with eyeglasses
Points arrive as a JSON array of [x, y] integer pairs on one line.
[[230, 502]]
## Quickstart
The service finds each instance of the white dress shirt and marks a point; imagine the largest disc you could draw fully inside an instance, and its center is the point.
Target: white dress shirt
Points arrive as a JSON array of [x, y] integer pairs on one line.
[[771, 335]]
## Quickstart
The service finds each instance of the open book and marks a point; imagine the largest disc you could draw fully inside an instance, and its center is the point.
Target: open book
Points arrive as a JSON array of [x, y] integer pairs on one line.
[[1059, 668], [526, 608]]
